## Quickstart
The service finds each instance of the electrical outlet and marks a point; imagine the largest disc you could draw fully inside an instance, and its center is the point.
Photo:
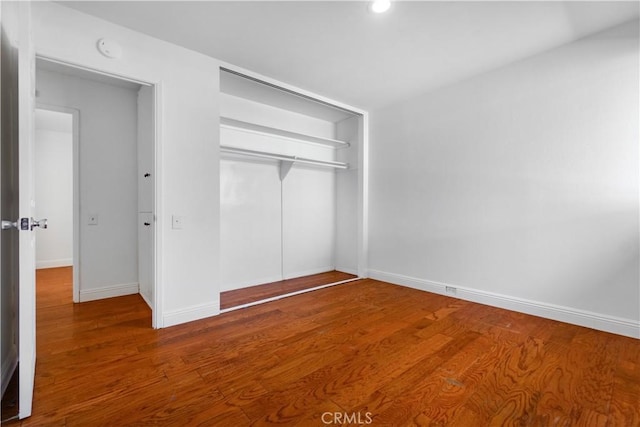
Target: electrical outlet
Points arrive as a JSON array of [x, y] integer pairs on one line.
[[450, 290], [92, 219]]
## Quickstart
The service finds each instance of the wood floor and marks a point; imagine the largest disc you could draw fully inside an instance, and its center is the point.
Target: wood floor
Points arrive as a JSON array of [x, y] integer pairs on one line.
[[251, 294], [361, 351]]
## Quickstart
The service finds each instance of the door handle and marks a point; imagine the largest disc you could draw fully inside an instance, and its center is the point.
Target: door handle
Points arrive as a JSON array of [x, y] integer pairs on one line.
[[25, 224], [6, 225], [42, 223]]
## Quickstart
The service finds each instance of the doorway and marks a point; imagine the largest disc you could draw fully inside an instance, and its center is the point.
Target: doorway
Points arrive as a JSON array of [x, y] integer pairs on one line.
[[55, 167], [103, 164]]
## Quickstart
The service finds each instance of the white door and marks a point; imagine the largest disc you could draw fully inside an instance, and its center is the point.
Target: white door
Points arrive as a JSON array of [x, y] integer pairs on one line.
[[18, 71], [26, 197]]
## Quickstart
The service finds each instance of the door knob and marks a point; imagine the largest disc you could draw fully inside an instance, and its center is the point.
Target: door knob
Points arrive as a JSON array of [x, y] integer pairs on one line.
[[9, 224], [25, 224]]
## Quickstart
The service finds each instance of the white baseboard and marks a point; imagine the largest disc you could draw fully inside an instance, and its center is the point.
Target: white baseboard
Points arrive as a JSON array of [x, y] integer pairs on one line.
[[189, 314], [8, 368], [347, 270], [601, 322], [54, 263], [109, 292], [309, 272], [147, 300]]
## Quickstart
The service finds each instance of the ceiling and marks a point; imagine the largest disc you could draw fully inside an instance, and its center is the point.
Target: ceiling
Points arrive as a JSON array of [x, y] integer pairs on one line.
[[341, 50]]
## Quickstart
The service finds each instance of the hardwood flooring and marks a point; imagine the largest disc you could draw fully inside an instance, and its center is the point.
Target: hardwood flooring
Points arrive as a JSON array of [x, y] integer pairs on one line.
[[342, 355], [251, 294]]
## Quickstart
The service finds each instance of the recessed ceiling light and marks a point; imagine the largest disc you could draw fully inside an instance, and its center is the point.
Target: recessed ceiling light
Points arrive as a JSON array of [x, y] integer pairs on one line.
[[380, 6]]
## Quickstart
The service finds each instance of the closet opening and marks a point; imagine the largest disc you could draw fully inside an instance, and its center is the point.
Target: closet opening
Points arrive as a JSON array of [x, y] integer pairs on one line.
[[290, 199]]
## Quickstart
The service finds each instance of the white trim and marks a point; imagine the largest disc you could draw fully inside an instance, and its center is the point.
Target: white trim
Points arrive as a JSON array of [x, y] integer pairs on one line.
[[92, 70], [363, 195], [290, 88], [144, 297], [54, 263], [109, 292], [8, 368], [589, 319], [189, 314], [349, 271], [277, 297], [157, 307]]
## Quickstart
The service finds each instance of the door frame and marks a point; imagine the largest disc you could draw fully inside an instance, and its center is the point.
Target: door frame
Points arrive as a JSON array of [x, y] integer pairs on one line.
[[157, 309], [75, 113]]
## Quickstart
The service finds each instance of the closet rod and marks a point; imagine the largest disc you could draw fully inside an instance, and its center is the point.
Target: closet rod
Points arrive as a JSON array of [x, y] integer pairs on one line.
[[295, 159]]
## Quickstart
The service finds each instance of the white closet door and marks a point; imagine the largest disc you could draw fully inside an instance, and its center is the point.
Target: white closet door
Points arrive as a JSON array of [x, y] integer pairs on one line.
[[146, 134], [309, 221], [145, 256], [250, 212]]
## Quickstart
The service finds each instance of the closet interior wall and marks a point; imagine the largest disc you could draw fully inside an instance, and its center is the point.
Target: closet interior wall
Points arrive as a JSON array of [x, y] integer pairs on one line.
[[282, 218]]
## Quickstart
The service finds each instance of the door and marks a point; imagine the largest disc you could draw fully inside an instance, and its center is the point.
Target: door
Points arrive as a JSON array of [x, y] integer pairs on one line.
[[26, 197], [18, 76]]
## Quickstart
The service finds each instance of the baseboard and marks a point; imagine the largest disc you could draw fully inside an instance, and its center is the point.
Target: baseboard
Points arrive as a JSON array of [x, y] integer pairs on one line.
[[147, 300], [54, 263], [347, 270], [109, 292], [8, 368], [309, 272], [601, 322], [189, 314]]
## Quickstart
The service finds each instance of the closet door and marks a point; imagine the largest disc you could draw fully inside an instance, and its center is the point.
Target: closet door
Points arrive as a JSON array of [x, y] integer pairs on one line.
[[309, 221], [145, 256], [250, 211]]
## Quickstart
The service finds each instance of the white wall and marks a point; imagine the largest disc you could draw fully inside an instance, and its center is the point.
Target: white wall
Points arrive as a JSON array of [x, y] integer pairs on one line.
[[519, 186], [187, 156], [108, 261], [54, 187]]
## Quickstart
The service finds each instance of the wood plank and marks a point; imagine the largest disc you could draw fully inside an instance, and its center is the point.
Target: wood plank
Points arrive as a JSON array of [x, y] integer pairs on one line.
[[251, 294], [403, 356]]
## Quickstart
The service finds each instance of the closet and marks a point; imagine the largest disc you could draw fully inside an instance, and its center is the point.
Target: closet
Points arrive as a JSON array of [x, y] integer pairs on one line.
[[291, 184]]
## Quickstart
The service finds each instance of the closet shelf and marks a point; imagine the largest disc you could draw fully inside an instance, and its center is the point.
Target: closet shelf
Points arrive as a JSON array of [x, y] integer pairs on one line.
[[228, 123], [275, 156]]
